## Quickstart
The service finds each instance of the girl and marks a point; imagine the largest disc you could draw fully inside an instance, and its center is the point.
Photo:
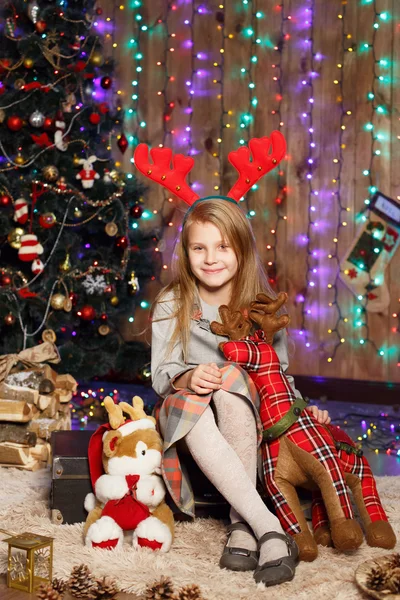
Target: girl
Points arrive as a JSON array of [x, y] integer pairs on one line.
[[211, 403]]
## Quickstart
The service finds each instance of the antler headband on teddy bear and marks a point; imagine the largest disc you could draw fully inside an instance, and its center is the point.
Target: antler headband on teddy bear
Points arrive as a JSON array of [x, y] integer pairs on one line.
[[267, 153]]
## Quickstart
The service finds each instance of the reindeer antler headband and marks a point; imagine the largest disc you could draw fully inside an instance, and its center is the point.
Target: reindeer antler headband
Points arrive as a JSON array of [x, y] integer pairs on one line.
[[250, 171]]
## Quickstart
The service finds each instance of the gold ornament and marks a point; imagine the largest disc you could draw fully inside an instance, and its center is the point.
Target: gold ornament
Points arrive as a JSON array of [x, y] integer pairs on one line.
[[49, 335], [19, 84], [114, 300], [65, 266], [19, 159], [78, 213], [57, 301], [114, 174], [2, 115], [67, 306], [97, 59], [76, 160], [28, 63], [9, 319], [50, 173], [111, 229], [14, 238], [133, 284], [144, 373], [104, 330]]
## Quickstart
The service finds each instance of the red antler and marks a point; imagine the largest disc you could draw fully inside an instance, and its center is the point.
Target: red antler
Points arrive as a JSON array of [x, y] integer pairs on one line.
[[160, 171], [251, 172]]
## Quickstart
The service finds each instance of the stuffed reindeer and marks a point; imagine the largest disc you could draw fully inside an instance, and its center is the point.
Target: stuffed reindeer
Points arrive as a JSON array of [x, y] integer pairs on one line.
[[297, 451]]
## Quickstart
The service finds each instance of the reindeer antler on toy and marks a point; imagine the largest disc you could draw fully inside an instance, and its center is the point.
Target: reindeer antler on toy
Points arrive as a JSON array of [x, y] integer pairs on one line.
[[266, 155]]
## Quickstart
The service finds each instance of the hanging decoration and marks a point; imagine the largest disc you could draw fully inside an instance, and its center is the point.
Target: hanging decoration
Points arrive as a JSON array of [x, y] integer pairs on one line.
[[87, 175], [21, 211]]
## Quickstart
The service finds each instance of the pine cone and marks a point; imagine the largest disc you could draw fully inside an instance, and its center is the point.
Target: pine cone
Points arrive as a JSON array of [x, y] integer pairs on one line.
[[190, 592], [81, 583], [376, 579], [106, 588], [393, 580], [394, 561], [46, 592], [160, 590], [60, 585]]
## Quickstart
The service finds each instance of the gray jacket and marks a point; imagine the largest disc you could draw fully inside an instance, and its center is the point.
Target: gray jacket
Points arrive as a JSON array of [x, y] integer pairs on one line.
[[203, 346]]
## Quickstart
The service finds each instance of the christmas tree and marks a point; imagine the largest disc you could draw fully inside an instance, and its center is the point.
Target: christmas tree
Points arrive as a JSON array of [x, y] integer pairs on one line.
[[73, 257]]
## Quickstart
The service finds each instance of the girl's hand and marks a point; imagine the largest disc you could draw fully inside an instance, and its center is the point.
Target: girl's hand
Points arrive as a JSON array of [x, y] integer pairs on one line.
[[205, 379], [322, 416]]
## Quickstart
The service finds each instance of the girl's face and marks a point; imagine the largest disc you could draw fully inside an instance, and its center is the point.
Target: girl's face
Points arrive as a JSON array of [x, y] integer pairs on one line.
[[211, 258]]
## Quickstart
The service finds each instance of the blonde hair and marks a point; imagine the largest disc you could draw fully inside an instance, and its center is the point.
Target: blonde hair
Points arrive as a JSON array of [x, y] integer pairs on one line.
[[250, 278]]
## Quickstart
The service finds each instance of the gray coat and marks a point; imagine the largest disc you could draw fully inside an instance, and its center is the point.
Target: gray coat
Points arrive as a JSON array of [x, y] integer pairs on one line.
[[203, 346]]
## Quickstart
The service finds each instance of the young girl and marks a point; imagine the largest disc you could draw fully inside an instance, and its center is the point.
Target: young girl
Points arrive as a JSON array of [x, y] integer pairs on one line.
[[208, 402]]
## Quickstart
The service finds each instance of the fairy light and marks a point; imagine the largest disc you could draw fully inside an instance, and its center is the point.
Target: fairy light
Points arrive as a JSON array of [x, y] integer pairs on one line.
[[220, 64], [136, 44]]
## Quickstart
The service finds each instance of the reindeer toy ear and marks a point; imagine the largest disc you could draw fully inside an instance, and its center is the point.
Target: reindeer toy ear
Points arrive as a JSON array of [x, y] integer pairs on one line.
[[263, 312]]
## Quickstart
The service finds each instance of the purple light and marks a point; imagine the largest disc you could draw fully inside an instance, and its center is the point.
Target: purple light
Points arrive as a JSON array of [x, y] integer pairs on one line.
[[315, 254], [304, 82], [392, 427], [73, 333], [315, 270], [187, 44], [309, 176], [188, 110], [312, 144], [313, 209], [201, 55], [311, 100], [301, 332], [308, 345], [304, 115], [192, 92], [300, 298], [188, 83], [311, 284], [363, 423], [188, 128], [87, 245], [201, 73], [81, 129], [311, 130], [314, 74], [186, 21], [318, 56], [309, 312], [310, 160]]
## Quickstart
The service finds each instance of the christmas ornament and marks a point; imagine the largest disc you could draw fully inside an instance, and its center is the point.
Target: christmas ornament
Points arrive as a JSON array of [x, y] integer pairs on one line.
[[19, 159], [104, 330], [76, 45], [362, 269], [5, 280], [19, 84], [114, 300], [5, 65], [30, 247], [133, 284], [122, 242], [33, 9], [75, 161], [103, 108], [87, 313], [2, 115], [11, 26], [94, 284], [106, 176], [28, 63], [41, 26], [95, 118], [136, 211], [69, 103], [62, 184], [14, 123], [14, 237], [74, 298], [144, 373], [65, 266], [48, 124], [109, 289], [50, 173], [106, 82], [21, 211], [48, 335], [36, 119], [59, 132], [111, 229], [96, 59], [57, 301], [87, 175], [9, 319], [42, 140], [122, 143], [99, 11], [104, 317], [77, 213], [48, 220], [5, 200], [67, 306], [37, 266]]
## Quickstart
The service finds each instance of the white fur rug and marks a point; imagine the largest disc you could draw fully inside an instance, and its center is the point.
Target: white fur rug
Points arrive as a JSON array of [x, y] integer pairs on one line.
[[194, 556]]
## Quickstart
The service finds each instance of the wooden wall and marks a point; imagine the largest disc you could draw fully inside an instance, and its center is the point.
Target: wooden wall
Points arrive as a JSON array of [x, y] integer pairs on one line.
[[223, 95]]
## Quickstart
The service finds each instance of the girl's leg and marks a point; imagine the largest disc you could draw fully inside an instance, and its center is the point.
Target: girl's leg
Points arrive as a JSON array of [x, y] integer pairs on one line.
[[220, 463], [236, 415]]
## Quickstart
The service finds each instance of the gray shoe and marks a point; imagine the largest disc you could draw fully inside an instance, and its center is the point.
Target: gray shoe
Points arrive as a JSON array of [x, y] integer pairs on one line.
[[238, 559], [282, 569]]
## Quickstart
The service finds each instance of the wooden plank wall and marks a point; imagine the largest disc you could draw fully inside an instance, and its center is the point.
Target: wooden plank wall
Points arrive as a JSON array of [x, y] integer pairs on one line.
[[299, 222]]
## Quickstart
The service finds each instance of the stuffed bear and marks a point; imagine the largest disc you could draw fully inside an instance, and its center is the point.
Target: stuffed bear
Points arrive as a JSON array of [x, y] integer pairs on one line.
[[124, 461]]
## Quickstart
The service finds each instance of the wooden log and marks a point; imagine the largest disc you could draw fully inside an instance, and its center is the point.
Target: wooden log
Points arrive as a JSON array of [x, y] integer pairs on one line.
[[15, 411], [31, 465], [16, 432], [41, 451], [15, 454], [16, 392], [66, 382]]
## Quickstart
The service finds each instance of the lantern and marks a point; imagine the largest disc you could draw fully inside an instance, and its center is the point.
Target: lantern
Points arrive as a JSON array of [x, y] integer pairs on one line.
[[30, 561]]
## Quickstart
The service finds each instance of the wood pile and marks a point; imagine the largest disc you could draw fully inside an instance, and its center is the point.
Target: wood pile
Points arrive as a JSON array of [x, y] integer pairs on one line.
[[33, 403]]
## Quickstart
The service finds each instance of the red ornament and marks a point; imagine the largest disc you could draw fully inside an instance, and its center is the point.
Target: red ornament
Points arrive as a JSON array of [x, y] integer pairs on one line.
[[121, 242], [5, 280], [95, 118], [5, 200], [41, 26], [5, 64], [87, 313], [103, 108], [48, 124], [104, 317], [106, 82], [122, 143], [47, 220], [136, 211], [74, 298], [99, 11], [14, 123]]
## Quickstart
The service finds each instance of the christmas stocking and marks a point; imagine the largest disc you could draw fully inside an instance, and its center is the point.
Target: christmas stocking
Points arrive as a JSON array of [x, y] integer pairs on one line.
[[363, 266]]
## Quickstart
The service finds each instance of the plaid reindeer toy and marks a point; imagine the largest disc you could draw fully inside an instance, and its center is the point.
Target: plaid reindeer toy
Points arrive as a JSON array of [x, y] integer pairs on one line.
[[297, 451]]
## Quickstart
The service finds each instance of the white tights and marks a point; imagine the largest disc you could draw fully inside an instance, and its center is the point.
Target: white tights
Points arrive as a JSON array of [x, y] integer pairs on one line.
[[227, 455]]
